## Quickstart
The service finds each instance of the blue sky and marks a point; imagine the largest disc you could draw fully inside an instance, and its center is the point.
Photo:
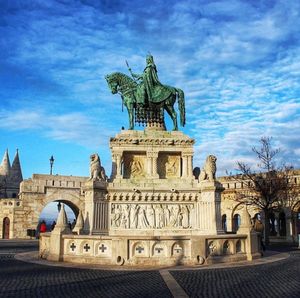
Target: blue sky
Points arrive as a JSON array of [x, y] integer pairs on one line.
[[238, 63]]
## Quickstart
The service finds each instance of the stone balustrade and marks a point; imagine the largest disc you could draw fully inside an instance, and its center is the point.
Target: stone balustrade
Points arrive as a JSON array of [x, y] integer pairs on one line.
[[141, 250]]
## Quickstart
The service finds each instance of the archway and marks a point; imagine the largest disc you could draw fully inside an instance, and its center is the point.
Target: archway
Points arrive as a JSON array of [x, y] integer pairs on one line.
[[49, 214], [6, 227]]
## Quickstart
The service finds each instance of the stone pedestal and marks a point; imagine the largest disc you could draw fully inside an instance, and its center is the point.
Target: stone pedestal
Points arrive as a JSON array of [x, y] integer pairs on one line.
[[152, 211], [209, 221], [96, 218], [252, 244], [56, 243], [151, 154]]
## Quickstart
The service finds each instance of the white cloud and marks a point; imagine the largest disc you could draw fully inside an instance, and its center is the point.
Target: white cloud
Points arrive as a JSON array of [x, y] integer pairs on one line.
[[237, 62], [72, 127]]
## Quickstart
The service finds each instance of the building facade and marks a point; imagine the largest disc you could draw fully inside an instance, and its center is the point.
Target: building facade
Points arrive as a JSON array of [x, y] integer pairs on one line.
[[10, 179]]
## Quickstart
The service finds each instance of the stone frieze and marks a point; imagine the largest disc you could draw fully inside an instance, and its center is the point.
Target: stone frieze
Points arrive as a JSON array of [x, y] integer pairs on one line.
[[151, 216]]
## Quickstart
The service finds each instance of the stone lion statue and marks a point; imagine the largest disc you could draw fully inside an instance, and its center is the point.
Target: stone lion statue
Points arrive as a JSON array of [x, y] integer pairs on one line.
[[97, 172], [209, 170]]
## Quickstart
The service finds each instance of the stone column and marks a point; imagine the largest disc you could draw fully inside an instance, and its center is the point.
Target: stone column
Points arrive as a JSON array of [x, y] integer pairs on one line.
[[209, 206], [100, 223], [149, 164], [119, 165], [96, 208], [113, 167], [190, 166], [184, 166], [152, 164]]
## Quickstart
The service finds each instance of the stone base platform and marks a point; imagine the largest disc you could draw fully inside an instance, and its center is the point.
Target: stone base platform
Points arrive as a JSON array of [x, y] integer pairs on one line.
[[148, 251]]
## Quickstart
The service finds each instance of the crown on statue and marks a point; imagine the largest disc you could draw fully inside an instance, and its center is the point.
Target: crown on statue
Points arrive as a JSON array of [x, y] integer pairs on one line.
[[150, 58]]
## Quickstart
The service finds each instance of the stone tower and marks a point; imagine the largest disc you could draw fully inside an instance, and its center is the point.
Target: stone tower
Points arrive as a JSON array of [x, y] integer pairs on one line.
[[5, 165], [15, 170], [10, 176]]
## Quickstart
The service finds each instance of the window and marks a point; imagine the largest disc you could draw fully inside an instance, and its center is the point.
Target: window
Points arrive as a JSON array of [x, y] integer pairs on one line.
[[224, 222], [236, 222]]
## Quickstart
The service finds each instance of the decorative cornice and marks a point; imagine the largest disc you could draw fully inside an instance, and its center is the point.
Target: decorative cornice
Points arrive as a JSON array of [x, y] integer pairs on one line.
[[152, 141], [152, 197]]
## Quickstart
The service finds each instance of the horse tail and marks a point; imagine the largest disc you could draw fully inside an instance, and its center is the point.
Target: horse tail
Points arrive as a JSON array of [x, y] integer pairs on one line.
[[181, 106]]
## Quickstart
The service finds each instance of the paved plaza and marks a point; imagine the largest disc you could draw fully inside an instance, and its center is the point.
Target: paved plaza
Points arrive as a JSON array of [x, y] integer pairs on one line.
[[273, 276]]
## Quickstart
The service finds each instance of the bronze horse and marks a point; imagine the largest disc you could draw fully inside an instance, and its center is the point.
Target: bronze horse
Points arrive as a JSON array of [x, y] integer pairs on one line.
[[127, 87]]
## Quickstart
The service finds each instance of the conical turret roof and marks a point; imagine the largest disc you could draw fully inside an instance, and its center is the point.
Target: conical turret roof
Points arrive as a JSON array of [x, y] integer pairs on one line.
[[62, 222], [5, 165], [15, 171], [79, 223]]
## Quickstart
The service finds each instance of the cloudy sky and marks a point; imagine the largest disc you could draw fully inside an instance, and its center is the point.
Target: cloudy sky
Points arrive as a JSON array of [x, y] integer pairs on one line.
[[238, 63]]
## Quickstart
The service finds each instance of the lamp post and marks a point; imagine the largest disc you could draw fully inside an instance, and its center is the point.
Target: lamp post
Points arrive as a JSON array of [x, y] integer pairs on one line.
[[51, 163]]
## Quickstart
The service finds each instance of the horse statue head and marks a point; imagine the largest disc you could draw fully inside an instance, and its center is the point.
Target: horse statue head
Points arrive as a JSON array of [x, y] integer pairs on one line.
[[112, 83]]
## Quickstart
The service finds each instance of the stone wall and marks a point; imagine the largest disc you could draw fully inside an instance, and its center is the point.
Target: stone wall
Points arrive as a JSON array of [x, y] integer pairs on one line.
[[288, 215], [35, 194]]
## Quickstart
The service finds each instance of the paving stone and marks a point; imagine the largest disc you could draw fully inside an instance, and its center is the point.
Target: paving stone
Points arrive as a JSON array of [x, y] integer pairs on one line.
[[278, 279], [20, 279]]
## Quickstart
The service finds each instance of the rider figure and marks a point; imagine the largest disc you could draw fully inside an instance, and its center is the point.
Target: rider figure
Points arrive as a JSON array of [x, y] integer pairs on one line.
[[149, 80]]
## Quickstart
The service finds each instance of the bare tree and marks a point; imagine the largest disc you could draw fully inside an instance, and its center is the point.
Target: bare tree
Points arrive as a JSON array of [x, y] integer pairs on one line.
[[268, 188]]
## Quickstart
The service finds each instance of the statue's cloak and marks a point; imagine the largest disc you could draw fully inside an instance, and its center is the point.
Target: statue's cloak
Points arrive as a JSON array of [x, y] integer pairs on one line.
[[156, 91]]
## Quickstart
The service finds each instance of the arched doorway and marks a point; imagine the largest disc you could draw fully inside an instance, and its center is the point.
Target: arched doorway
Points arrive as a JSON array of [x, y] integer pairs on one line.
[[5, 229]]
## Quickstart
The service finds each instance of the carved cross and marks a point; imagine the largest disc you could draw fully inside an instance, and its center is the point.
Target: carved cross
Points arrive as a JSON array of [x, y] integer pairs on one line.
[[159, 249], [73, 246], [177, 249], [139, 249], [86, 247], [102, 248]]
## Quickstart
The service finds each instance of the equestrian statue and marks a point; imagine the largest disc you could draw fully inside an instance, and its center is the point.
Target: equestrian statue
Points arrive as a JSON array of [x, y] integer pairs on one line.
[[146, 98]]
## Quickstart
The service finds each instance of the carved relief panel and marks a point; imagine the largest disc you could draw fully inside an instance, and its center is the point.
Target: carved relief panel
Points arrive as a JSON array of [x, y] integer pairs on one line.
[[134, 165], [151, 216], [169, 165]]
